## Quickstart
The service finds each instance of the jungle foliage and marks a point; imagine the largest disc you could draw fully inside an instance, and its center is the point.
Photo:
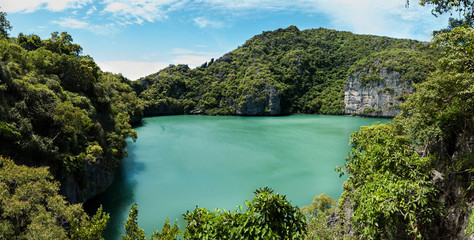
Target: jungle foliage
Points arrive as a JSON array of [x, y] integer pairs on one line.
[[307, 68], [462, 8], [318, 219], [408, 178], [32, 208], [389, 185], [268, 216], [58, 109]]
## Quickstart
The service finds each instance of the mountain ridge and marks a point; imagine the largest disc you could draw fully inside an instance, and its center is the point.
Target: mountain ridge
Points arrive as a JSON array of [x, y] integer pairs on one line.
[[289, 71]]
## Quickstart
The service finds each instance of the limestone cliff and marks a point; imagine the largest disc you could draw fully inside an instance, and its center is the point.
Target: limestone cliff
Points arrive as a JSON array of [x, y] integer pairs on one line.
[[379, 98], [95, 179], [269, 105]]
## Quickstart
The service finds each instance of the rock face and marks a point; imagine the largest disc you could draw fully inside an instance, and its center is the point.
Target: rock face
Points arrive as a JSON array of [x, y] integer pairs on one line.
[[378, 99], [96, 179], [270, 105]]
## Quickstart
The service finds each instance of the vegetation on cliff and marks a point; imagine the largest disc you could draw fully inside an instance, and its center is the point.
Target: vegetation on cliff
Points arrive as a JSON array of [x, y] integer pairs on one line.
[[58, 109], [408, 179], [32, 208], [305, 70], [267, 216], [413, 178]]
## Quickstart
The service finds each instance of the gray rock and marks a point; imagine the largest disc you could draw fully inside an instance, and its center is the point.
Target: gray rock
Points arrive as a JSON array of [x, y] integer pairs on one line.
[[270, 105], [96, 179], [380, 99]]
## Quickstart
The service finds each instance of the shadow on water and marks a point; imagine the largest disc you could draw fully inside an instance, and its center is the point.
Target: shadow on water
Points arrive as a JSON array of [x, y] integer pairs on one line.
[[122, 190], [216, 162]]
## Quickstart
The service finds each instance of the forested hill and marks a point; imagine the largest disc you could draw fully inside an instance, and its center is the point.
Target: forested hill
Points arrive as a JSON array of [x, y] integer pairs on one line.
[[410, 179], [288, 71], [58, 109]]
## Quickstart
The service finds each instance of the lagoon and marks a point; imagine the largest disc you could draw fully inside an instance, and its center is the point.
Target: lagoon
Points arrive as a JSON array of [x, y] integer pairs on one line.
[[180, 162]]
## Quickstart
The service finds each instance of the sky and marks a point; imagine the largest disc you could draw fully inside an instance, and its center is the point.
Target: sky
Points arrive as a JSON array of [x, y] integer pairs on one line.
[[140, 37]]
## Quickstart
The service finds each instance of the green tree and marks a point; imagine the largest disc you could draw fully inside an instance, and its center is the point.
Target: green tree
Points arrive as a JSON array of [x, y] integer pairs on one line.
[[389, 186], [58, 109], [282, 72], [317, 216], [62, 44], [168, 232], [320, 204], [132, 231], [71, 119], [268, 216], [463, 8], [442, 108], [4, 25], [30, 43], [31, 208], [439, 117], [87, 228]]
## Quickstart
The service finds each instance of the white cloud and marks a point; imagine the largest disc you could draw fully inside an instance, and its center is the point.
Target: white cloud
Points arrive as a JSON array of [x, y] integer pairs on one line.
[[190, 57], [91, 10], [136, 69], [203, 22], [105, 29], [71, 23], [132, 69], [141, 10], [389, 17], [11, 6], [259, 5], [381, 17]]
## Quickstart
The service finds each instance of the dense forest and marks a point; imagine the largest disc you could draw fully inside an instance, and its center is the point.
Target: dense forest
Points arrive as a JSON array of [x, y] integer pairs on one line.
[[283, 72], [57, 110], [63, 124]]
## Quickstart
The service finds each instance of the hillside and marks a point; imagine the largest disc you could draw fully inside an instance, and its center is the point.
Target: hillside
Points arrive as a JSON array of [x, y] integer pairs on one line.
[[291, 71], [58, 109], [411, 179]]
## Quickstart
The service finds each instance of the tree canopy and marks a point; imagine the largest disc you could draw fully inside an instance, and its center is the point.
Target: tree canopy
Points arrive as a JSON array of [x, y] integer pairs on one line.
[[463, 8], [58, 109], [268, 216], [4, 25], [306, 70], [32, 208], [407, 177]]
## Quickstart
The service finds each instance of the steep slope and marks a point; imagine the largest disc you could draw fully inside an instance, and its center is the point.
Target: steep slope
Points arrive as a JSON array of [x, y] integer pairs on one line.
[[292, 71], [379, 83], [58, 109], [413, 178]]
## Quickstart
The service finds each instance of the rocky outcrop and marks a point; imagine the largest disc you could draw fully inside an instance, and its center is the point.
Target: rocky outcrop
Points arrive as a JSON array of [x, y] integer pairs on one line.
[[451, 184], [379, 98], [95, 180], [269, 105]]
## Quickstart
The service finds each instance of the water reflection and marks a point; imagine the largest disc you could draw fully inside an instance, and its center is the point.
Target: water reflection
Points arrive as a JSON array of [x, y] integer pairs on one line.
[[179, 162]]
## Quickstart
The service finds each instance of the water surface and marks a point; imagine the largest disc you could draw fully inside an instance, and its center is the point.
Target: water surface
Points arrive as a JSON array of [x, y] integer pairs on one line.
[[179, 162]]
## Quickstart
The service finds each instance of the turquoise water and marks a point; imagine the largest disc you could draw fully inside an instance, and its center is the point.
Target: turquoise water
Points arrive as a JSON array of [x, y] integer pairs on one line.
[[179, 162]]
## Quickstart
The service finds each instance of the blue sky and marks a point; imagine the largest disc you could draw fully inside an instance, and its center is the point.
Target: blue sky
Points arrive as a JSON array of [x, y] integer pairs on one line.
[[139, 37]]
